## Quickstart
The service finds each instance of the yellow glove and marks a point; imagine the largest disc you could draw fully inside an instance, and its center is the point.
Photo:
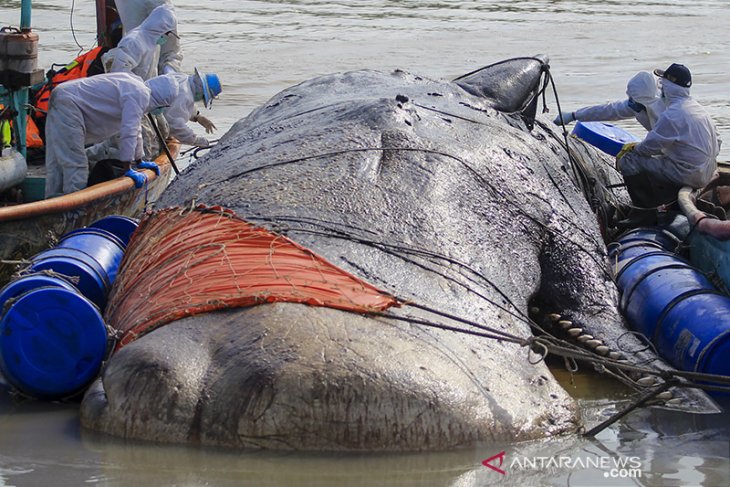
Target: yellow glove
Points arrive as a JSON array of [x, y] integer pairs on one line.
[[628, 147]]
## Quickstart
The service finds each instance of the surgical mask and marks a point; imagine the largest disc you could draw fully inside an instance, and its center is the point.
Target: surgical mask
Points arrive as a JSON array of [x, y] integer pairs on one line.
[[162, 40], [158, 111], [636, 106]]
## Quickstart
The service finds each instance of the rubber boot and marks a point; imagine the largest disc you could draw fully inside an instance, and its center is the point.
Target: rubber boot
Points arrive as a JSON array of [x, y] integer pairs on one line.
[[640, 190]]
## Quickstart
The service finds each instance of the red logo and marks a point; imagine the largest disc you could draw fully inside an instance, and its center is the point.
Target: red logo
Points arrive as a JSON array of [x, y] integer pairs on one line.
[[487, 463]]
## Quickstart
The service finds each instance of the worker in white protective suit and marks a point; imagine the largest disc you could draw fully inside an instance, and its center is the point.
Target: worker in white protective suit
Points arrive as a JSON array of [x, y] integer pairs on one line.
[[680, 150], [643, 103], [88, 110], [133, 13], [138, 50], [196, 87]]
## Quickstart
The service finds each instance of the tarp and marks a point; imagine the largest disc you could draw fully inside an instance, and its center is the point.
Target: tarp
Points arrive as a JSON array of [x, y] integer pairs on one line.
[[180, 263]]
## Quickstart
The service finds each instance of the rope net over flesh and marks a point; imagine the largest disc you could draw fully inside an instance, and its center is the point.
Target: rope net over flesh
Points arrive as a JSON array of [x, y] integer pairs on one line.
[[182, 263]]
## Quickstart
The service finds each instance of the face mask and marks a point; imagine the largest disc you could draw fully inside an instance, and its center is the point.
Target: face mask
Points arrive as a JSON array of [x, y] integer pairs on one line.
[[162, 40], [636, 106], [158, 111], [198, 95]]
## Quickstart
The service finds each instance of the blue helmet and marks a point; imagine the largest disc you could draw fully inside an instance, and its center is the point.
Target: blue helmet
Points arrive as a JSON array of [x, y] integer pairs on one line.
[[211, 86]]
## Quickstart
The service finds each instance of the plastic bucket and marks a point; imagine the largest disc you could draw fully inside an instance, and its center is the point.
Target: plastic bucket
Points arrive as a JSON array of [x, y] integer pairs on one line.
[[609, 138], [121, 226], [76, 268], [100, 245], [52, 342], [695, 334], [659, 289], [28, 283]]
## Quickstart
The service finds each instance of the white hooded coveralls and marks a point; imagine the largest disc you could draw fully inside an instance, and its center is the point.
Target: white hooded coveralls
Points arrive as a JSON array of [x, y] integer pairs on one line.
[[642, 88], [682, 147], [133, 12], [138, 51], [182, 109], [88, 110]]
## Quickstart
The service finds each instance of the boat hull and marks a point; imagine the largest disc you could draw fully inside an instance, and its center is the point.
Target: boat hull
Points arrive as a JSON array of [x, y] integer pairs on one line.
[[30, 228]]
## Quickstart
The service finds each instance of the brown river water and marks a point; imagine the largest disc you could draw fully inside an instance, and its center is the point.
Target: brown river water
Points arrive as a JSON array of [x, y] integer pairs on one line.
[[259, 48]]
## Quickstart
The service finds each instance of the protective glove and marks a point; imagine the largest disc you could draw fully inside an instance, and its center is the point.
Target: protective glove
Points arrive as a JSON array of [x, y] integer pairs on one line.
[[201, 141], [138, 177], [628, 147], [206, 123], [567, 118], [149, 165]]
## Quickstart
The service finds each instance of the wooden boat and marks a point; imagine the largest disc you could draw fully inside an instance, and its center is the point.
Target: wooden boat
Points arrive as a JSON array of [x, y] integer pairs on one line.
[[674, 277], [27, 228]]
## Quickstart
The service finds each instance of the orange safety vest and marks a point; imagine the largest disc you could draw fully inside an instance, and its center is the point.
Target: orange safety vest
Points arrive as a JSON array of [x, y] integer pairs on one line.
[[81, 67]]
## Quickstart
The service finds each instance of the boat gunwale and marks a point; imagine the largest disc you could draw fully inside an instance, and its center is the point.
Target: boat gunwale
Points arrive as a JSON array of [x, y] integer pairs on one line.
[[82, 198]]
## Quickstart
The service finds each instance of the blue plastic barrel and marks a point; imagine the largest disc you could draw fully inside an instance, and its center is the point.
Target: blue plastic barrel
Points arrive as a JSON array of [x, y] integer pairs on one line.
[[695, 334], [79, 255], [654, 235], [604, 136], [638, 267], [672, 303], [121, 226], [27, 283], [88, 258], [52, 342], [657, 290], [102, 246], [77, 270]]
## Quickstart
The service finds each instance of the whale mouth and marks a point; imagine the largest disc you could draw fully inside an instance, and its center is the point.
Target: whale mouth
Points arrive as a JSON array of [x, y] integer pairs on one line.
[[628, 358]]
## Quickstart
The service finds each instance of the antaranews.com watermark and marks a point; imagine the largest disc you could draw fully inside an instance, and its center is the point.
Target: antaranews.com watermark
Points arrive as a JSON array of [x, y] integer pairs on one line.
[[613, 467]]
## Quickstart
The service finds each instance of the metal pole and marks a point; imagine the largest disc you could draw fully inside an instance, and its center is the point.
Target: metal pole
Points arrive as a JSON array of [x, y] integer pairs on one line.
[[153, 122], [25, 15], [20, 97]]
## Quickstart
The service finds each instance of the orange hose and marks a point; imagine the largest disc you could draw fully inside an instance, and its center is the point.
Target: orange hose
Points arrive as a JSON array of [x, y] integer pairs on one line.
[[181, 263]]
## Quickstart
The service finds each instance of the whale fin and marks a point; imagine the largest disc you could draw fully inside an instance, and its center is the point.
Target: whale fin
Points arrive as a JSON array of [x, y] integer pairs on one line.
[[511, 86]]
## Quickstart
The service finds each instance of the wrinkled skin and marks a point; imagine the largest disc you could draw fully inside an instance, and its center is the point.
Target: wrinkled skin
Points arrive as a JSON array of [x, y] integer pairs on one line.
[[425, 191]]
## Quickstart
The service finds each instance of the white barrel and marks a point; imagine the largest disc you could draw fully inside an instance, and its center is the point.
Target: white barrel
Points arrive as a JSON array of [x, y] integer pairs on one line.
[[13, 168]]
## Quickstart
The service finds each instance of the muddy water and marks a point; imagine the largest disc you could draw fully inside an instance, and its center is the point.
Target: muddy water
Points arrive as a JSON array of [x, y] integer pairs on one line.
[[261, 47]]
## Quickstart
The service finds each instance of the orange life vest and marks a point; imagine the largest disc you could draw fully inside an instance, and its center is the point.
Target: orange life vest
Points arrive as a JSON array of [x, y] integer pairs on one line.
[[81, 67], [32, 135]]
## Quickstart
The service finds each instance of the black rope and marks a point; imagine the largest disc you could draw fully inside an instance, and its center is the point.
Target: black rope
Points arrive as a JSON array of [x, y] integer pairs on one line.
[[644, 398]]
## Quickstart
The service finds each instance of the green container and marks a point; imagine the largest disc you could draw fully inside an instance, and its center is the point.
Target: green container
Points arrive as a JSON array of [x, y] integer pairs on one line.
[[34, 189]]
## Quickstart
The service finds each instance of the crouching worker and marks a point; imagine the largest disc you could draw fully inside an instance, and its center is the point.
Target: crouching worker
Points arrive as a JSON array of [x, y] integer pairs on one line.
[[680, 150], [89, 110], [193, 88]]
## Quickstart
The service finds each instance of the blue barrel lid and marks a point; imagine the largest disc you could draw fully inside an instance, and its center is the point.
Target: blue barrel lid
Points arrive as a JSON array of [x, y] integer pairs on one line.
[[27, 283], [82, 275], [52, 343], [604, 136], [121, 226]]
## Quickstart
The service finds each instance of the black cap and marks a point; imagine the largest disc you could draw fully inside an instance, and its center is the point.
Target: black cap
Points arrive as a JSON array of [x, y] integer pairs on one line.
[[677, 74]]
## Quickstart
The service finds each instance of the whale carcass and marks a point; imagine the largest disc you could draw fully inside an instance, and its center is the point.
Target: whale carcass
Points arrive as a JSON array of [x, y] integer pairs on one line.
[[440, 195]]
